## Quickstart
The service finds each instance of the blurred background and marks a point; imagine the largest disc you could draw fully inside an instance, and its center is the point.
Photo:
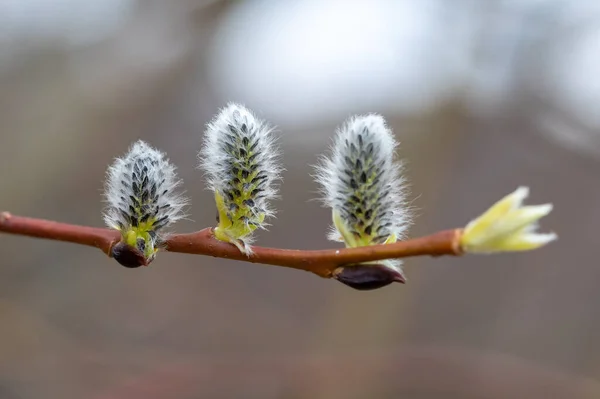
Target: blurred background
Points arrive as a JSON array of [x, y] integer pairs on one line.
[[484, 96]]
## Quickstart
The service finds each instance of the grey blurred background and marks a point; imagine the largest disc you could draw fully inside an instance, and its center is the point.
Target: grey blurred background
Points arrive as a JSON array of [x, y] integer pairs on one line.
[[484, 96]]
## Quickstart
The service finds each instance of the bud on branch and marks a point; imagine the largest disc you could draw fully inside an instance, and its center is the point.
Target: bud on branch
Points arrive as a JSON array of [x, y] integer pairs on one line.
[[142, 197], [240, 160], [362, 185]]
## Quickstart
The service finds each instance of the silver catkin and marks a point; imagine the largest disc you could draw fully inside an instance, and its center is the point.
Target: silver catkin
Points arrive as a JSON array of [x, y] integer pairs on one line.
[[142, 188], [240, 160], [362, 183]]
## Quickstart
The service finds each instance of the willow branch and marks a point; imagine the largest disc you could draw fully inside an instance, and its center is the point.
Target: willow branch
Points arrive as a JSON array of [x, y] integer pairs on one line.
[[320, 262], [100, 238]]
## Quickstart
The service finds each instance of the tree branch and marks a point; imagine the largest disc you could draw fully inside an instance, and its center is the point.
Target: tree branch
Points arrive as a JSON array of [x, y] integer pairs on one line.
[[320, 262], [100, 238]]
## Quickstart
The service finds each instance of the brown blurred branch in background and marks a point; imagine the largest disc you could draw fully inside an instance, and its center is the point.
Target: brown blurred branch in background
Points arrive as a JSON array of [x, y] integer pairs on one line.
[[321, 262]]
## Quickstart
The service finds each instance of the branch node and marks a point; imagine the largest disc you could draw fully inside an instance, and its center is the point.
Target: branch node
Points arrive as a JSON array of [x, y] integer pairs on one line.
[[456, 247]]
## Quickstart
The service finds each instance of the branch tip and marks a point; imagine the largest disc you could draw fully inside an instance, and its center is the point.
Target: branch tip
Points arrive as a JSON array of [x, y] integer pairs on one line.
[[507, 226]]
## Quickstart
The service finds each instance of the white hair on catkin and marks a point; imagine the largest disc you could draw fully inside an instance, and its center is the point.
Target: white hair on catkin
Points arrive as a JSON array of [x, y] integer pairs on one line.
[[362, 183], [240, 160], [142, 187]]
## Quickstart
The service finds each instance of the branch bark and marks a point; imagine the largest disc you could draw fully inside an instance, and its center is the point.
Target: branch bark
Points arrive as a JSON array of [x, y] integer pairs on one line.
[[320, 262]]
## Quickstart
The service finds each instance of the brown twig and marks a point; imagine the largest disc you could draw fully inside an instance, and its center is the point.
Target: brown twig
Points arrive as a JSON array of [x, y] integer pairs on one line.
[[320, 262], [47, 229]]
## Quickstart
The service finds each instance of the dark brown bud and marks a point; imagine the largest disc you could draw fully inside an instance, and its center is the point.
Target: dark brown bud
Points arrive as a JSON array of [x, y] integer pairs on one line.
[[368, 277], [128, 256]]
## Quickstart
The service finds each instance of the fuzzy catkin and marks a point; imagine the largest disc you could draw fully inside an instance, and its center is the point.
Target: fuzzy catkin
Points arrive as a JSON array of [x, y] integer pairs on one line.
[[362, 184], [142, 191], [239, 157]]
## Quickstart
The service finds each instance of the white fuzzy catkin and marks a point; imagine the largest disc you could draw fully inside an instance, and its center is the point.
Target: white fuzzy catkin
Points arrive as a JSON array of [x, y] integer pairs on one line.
[[142, 189], [362, 183], [240, 160]]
